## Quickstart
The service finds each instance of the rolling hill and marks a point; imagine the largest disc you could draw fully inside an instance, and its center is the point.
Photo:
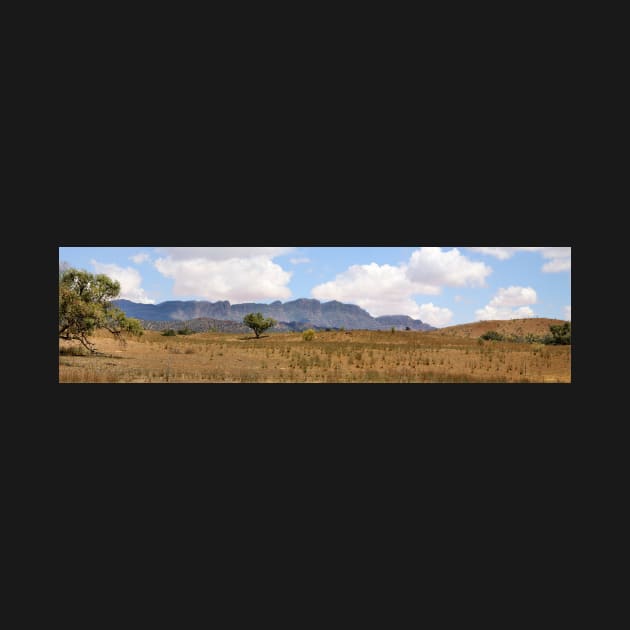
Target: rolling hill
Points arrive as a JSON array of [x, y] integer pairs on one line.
[[538, 326]]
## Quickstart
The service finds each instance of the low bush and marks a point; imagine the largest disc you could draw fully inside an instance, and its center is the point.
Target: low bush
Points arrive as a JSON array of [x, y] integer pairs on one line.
[[492, 335], [561, 334]]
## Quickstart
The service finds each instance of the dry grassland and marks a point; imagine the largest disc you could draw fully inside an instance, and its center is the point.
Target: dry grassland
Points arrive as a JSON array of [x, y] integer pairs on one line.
[[332, 357]]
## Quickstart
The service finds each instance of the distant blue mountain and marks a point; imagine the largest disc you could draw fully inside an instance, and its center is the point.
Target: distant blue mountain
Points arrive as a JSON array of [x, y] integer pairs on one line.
[[299, 313]]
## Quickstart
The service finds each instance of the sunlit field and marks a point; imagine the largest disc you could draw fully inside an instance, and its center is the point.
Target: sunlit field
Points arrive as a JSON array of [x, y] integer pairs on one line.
[[331, 357]]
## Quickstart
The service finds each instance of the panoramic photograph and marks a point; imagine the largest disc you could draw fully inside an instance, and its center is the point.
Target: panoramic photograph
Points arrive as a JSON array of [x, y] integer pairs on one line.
[[315, 314]]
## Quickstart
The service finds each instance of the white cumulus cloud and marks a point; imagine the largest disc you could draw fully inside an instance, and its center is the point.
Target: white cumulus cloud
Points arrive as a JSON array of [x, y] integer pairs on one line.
[[129, 278], [567, 312], [510, 303], [389, 290], [559, 257], [435, 315], [556, 265], [237, 274], [434, 267], [379, 289], [140, 258], [492, 312], [514, 296]]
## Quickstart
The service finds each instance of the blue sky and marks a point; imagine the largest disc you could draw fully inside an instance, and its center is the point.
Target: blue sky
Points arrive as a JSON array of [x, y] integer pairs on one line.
[[441, 285]]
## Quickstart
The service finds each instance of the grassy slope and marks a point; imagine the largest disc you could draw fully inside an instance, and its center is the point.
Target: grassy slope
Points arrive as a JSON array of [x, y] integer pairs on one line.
[[534, 325]]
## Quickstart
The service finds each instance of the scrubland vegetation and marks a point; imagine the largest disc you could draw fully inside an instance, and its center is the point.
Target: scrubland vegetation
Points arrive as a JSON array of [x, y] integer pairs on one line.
[[323, 357]]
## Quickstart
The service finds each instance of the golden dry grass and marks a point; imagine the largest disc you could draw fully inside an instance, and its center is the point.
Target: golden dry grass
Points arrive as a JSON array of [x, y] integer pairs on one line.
[[332, 357]]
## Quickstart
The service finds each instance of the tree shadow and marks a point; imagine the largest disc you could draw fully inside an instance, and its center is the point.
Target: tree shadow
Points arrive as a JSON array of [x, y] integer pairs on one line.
[[82, 354]]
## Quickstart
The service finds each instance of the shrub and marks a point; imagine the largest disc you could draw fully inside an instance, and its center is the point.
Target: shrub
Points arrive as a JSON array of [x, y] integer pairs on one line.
[[308, 335], [492, 335], [169, 332], [184, 331], [561, 334]]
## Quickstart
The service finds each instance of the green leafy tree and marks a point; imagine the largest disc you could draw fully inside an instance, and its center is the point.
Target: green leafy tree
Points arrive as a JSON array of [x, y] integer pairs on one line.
[[258, 323], [85, 306]]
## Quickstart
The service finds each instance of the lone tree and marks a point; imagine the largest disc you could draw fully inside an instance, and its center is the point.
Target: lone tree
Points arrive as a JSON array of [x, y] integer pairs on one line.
[[85, 305], [258, 323]]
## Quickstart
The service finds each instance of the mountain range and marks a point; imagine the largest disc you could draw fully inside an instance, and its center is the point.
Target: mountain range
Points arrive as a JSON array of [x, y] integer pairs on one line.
[[295, 315]]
